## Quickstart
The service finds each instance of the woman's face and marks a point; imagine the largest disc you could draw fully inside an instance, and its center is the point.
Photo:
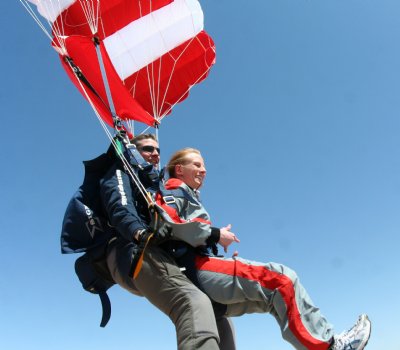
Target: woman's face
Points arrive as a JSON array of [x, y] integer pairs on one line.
[[193, 172]]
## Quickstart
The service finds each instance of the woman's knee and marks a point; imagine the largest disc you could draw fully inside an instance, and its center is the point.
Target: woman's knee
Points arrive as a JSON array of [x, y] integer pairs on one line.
[[283, 270]]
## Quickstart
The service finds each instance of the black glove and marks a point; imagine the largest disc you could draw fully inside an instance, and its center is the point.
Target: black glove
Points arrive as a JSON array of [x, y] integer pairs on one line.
[[142, 239], [162, 229]]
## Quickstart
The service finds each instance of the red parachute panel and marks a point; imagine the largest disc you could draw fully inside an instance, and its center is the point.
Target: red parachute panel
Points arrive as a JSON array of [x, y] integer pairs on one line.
[[113, 15], [83, 53], [184, 66]]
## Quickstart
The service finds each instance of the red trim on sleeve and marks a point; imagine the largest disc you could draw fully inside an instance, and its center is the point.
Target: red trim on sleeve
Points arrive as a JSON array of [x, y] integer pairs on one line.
[[201, 220]]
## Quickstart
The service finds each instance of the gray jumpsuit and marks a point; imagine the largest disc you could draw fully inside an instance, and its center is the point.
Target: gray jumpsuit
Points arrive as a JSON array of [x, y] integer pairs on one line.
[[251, 287]]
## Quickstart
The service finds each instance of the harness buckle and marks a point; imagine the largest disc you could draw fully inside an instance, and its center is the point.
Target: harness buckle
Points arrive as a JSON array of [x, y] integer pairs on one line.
[[169, 199]]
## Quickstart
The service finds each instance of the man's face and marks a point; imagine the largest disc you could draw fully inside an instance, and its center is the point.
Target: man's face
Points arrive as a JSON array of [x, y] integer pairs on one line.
[[149, 150]]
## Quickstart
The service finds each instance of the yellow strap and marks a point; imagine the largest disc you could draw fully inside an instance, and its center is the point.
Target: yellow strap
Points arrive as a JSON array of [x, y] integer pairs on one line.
[[139, 264], [149, 199]]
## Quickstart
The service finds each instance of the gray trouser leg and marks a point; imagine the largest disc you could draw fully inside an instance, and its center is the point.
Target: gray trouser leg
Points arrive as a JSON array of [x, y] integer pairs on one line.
[[165, 286], [226, 334], [248, 287]]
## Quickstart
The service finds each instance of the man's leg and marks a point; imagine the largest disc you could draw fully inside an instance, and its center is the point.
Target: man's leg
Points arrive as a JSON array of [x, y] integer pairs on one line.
[[250, 287], [226, 334], [161, 281]]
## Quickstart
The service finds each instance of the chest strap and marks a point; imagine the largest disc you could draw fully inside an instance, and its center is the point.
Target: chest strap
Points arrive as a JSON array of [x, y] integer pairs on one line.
[[166, 199]]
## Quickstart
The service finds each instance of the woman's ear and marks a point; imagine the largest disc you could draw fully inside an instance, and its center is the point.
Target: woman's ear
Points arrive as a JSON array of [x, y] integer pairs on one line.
[[178, 170]]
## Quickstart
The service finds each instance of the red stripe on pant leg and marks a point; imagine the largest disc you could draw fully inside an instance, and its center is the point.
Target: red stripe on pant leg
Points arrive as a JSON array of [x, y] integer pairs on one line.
[[270, 280]]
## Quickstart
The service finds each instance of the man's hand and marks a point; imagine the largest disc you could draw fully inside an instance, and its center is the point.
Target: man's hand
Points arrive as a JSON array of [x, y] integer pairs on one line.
[[137, 236], [227, 237]]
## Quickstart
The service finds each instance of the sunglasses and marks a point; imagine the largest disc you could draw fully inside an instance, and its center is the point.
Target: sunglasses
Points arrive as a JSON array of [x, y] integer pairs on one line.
[[150, 149]]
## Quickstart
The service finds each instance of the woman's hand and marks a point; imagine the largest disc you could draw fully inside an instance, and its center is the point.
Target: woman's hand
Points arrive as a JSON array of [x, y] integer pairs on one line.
[[227, 237]]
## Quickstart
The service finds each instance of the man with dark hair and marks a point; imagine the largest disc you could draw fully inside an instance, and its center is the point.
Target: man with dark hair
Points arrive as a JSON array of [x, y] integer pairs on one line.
[[160, 279], [148, 147]]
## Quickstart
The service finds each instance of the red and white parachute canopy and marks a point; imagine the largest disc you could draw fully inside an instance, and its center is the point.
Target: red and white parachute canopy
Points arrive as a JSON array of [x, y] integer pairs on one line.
[[138, 58]]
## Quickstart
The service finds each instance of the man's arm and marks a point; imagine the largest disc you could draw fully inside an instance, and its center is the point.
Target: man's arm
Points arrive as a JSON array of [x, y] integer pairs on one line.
[[118, 200]]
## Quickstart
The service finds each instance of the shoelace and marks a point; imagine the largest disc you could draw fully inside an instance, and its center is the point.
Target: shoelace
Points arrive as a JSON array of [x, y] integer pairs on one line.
[[343, 342]]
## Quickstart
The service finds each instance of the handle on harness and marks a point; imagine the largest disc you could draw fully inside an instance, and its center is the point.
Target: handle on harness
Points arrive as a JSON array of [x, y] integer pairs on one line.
[[145, 238], [138, 259], [158, 232]]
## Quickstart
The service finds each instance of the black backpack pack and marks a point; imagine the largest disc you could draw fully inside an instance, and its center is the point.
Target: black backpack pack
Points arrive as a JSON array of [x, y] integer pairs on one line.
[[85, 230], [85, 227]]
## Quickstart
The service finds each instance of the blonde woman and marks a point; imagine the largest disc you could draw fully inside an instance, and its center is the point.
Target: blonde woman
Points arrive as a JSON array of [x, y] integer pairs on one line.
[[245, 286]]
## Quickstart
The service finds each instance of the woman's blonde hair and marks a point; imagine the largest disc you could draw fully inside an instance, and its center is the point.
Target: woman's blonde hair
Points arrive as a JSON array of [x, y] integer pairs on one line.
[[180, 158]]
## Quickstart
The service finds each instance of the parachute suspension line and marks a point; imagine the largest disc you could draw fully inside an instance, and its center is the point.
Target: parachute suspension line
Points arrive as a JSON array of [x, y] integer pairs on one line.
[[150, 81], [153, 92], [130, 171], [117, 121], [32, 13], [132, 174], [159, 107], [78, 73], [57, 26], [91, 12], [126, 163], [170, 78], [58, 37], [183, 95], [131, 125], [154, 86]]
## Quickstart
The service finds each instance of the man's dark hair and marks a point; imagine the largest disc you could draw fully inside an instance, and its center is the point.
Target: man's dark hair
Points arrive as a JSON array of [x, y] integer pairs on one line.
[[141, 137]]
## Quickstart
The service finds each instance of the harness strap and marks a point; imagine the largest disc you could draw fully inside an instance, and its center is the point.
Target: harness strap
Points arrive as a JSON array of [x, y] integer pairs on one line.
[[170, 208], [106, 308], [79, 75], [174, 190], [166, 199], [138, 259]]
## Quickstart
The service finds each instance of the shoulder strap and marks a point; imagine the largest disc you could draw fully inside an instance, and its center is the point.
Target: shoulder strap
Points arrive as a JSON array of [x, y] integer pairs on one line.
[[170, 194], [166, 199], [106, 307]]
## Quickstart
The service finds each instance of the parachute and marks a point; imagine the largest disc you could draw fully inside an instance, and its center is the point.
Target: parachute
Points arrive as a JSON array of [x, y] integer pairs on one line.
[[131, 59]]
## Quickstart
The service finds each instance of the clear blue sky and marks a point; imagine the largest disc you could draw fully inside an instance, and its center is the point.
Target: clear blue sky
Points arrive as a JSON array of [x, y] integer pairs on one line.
[[299, 126]]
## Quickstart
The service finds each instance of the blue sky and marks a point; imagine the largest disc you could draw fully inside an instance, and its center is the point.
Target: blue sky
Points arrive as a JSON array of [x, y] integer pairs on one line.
[[298, 123]]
